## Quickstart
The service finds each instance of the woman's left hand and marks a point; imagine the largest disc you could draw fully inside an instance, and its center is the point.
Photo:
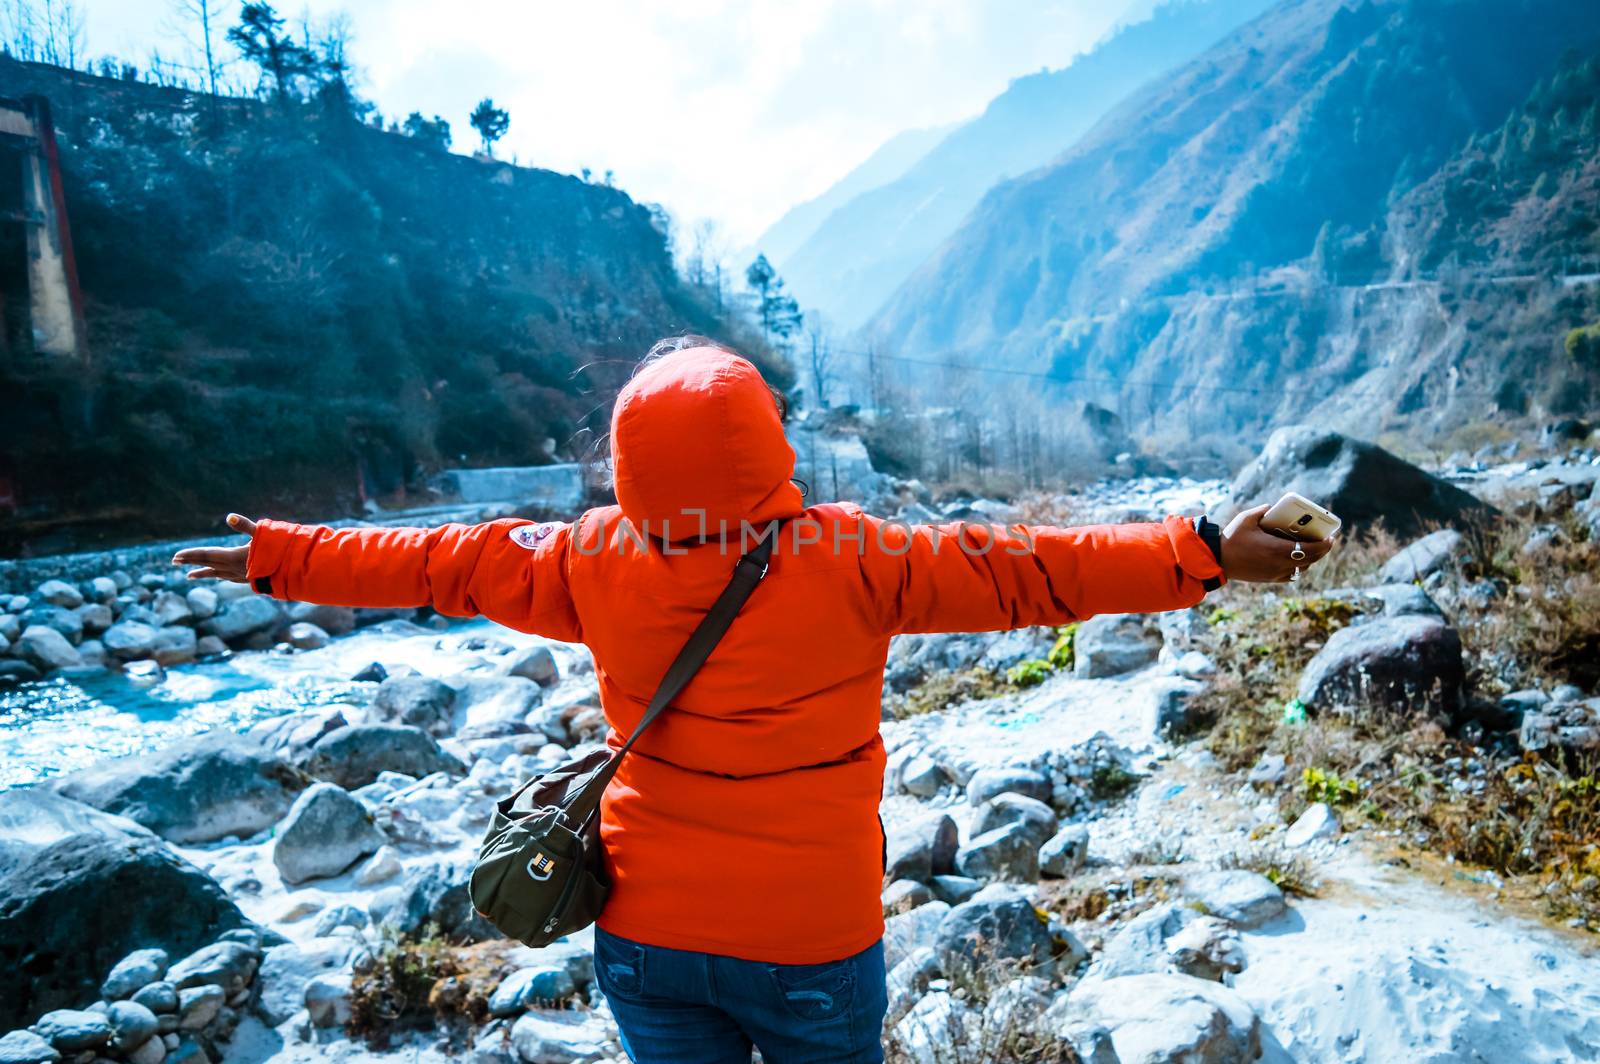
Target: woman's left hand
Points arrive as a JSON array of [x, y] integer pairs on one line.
[[220, 563]]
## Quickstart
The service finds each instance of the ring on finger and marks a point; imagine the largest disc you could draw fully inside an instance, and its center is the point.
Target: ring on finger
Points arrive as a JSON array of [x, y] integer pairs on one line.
[[1298, 554]]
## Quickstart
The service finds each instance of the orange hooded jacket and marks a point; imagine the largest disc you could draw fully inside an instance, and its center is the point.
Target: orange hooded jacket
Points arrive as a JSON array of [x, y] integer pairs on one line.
[[745, 822]]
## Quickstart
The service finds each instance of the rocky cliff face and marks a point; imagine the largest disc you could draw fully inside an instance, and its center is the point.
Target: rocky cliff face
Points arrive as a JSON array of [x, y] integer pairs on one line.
[[1266, 229], [290, 310]]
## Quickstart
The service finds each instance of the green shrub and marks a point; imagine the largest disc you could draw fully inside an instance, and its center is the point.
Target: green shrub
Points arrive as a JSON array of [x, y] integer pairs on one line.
[[1062, 655], [1028, 673]]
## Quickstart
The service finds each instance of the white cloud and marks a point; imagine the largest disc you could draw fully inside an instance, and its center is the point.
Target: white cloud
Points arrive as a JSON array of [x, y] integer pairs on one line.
[[727, 109]]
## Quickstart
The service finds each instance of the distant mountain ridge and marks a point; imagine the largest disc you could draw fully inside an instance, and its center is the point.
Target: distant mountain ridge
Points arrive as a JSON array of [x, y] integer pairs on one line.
[[859, 254], [892, 159], [1234, 228]]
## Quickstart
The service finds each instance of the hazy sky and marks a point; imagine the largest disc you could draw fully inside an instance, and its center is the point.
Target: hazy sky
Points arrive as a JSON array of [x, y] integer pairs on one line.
[[728, 109]]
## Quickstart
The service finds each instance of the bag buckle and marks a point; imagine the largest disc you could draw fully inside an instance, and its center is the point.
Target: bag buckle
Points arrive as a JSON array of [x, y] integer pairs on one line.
[[541, 867]]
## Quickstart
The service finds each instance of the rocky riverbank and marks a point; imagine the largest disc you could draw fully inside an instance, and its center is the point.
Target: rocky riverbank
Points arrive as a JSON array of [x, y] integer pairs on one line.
[[1079, 840]]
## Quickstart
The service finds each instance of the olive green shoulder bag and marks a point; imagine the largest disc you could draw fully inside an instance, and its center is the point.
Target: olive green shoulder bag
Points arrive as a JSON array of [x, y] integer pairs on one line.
[[541, 871]]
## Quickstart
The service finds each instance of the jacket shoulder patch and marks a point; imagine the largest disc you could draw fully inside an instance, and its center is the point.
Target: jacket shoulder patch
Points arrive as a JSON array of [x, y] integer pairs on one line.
[[530, 536]]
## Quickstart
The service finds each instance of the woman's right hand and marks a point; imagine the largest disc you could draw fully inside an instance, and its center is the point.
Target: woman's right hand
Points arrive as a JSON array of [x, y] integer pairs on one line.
[[220, 563], [1253, 555]]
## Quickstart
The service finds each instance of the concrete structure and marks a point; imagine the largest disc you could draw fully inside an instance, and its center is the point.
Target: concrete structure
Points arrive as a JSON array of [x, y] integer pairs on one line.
[[558, 488], [55, 304]]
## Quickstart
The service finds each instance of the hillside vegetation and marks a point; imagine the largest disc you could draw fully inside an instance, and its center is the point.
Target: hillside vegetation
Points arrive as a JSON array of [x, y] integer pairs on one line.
[[289, 309]]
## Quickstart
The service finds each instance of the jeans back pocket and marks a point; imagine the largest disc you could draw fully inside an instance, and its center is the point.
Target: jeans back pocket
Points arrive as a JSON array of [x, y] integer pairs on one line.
[[816, 991], [618, 966]]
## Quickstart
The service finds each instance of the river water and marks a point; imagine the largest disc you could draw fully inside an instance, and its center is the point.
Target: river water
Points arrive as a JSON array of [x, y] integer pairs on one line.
[[61, 725]]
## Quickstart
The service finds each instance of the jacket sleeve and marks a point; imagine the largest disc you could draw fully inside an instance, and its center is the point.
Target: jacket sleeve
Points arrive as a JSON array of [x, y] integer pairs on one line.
[[978, 578], [513, 572]]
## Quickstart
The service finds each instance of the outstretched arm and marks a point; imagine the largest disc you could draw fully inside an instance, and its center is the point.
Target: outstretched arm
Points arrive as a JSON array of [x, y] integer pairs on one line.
[[511, 571], [984, 578]]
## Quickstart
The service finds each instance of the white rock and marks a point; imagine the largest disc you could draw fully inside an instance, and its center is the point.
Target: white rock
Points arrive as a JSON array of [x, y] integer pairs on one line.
[[1170, 1019], [1317, 822], [327, 999], [560, 1037], [1239, 895], [381, 866]]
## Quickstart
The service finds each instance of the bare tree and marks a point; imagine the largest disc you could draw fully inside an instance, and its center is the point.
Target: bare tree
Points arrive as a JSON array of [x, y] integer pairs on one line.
[[820, 358], [197, 28], [64, 36], [21, 29]]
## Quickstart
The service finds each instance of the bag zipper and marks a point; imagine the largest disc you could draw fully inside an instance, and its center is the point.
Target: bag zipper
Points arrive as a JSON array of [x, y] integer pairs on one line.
[[566, 889]]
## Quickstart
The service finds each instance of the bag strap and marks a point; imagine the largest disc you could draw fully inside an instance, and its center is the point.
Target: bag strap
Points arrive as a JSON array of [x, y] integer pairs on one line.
[[701, 642]]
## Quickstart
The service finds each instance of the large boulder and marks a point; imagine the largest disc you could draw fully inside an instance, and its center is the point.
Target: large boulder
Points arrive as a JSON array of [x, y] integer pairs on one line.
[[1408, 663], [1008, 853], [353, 756], [1423, 557], [32, 818], [46, 649], [1115, 643], [1572, 728], [921, 848], [1008, 808], [1165, 1019], [437, 894], [325, 833], [197, 790], [420, 701], [243, 617], [992, 937], [1361, 482], [80, 905], [334, 620], [486, 701]]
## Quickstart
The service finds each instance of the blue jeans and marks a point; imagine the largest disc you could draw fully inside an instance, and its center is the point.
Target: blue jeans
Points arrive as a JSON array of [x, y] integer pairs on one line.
[[678, 1007]]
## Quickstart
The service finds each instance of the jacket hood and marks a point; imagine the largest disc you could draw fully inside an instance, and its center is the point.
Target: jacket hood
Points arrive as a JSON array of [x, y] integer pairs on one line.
[[697, 432]]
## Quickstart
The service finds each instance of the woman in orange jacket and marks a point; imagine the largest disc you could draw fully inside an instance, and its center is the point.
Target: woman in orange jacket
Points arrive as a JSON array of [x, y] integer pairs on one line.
[[742, 839]]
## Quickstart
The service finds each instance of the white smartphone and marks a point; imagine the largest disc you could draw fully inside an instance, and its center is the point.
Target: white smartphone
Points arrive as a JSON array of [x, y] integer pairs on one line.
[[1297, 517]]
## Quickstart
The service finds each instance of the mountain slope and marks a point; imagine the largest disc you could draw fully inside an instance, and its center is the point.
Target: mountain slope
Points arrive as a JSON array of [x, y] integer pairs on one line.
[[1188, 238], [892, 159], [867, 246]]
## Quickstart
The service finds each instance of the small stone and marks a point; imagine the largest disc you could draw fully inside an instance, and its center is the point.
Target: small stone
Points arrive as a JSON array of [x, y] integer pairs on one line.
[[337, 917], [199, 1005], [328, 999], [150, 1051], [953, 890], [25, 1047], [230, 965], [903, 895], [1269, 770], [922, 776], [160, 997], [536, 664], [528, 987], [373, 673], [1035, 816], [60, 593], [46, 649], [303, 635], [144, 673], [325, 832], [202, 603], [71, 1030], [133, 972], [1007, 853], [102, 589], [1317, 822], [1248, 899], [560, 1037], [131, 1025], [381, 866], [1065, 852], [988, 782]]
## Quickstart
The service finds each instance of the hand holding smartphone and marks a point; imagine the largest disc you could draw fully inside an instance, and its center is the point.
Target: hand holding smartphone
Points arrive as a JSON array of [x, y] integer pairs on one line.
[[1296, 517]]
